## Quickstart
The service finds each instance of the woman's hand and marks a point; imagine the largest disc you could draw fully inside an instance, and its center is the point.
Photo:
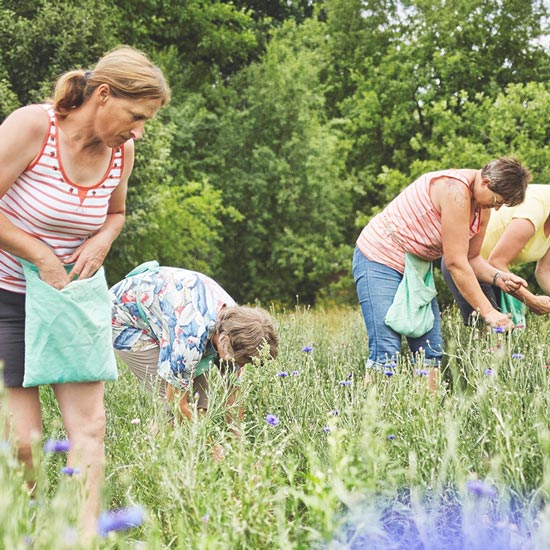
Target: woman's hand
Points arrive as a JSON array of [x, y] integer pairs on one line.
[[539, 305], [508, 282], [497, 319], [53, 273], [88, 257]]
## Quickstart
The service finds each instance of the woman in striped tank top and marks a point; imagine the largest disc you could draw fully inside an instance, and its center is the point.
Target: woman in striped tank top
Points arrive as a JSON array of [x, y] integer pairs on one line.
[[444, 212], [65, 168]]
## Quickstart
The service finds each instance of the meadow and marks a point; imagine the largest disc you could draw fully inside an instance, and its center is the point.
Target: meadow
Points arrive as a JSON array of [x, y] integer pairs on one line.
[[323, 461]]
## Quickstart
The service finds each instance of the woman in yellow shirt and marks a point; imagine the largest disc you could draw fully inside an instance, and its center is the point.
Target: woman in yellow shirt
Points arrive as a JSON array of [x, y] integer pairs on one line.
[[516, 235]]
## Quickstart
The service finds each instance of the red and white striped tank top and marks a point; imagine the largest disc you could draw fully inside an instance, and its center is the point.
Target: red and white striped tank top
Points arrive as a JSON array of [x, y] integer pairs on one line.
[[410, 223], [45, 203]]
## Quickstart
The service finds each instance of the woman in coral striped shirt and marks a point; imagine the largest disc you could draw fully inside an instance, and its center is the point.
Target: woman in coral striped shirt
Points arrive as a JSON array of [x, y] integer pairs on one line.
[[444, 212], [65, 168]]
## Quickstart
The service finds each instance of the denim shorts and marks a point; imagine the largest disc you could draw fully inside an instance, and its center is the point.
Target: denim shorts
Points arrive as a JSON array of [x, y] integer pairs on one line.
[[376, 286], [12, 337]]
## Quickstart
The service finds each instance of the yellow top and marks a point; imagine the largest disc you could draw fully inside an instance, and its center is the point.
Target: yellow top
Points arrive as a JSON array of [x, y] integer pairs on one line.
[[536, 209]]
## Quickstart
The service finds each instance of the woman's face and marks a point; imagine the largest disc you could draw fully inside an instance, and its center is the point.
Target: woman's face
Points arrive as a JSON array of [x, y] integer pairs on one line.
[[121, 119]]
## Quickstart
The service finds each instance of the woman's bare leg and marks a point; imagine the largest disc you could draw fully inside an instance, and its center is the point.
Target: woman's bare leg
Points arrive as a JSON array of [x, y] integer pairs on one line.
[[24, 424], [83, 413]]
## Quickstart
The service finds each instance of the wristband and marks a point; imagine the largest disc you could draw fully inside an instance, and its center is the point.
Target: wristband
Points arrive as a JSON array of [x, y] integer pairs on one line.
[[497, 275]]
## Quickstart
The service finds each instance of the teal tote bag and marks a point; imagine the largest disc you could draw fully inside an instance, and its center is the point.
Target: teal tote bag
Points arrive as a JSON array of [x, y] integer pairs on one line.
[[68, 334]]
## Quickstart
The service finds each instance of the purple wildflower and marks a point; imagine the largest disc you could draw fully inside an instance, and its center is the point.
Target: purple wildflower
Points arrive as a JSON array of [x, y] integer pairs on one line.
[[499, 329], [391, 437], [295, 373], [68, 471], [120, 520], [345, 383], [326, 429], [57, 446], [272, 420], [518, 356], [307, 349], [282, 374], [488, 372], [334, 412], [481, 488], [421, 372], [205, 518], [389, 372]]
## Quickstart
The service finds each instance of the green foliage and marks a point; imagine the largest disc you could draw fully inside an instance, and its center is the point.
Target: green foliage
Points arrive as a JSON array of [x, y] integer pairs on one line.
[[293, 123], [40, 40], [282, 170]]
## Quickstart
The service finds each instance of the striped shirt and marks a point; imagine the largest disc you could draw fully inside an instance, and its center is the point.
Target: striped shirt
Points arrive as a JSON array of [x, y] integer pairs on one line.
[[410, 223], [47, 205]]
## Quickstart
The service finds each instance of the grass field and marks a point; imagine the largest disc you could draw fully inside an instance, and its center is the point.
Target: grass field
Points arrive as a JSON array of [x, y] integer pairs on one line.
[[335, 465]]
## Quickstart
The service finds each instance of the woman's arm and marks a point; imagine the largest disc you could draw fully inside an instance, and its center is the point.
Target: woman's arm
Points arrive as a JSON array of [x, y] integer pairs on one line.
[[455, 207], [21, 138], [512, 241]]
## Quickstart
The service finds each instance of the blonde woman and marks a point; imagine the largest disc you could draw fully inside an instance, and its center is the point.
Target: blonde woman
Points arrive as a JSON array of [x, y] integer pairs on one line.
[[65, 169]]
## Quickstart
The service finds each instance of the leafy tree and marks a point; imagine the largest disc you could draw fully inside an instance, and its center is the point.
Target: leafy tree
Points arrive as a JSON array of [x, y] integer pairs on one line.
[[281, 168]]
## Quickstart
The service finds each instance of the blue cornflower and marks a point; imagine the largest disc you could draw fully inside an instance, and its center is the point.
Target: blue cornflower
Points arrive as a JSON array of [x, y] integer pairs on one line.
[[307, 349], [326, 429], [282, 374], [481, 488], [391, 437], [57, 446], [345, 383], [68, 471], [389, 372], [334, 412], [421, 372], [499, 329], [272, 420], [488, 372], [518, 356], [120, 520], [295, 373]]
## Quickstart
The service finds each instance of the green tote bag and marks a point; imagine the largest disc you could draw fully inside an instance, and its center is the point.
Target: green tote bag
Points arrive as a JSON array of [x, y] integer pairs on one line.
[[68, 334]]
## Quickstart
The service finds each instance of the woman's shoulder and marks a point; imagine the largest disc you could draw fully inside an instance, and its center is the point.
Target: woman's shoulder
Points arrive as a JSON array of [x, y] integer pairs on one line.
[[30, 120]]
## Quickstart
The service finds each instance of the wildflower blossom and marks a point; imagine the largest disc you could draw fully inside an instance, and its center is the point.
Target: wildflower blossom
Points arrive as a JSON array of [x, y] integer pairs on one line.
[[326, 429], [334, 412], [481, 488], [120, 520], [389, 372], [205, 518], [135, 421], [498, 329], [282, 374], [295, 373], [272, 420], [68, 471], [421, 372], [307, 349], [345, 383], [518, 356], [391, 437], [488, 372], [57, 446]]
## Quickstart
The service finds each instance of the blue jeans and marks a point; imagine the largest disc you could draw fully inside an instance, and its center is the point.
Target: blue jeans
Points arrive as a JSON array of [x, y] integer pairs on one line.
[[376, 286]]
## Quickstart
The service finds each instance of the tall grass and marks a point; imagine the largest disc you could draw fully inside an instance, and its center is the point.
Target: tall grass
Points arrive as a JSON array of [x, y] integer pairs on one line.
[[389, 465]]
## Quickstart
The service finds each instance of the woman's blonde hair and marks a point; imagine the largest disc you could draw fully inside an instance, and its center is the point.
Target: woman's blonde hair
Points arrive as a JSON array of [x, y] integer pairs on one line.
[[245, 331], [129, 73]]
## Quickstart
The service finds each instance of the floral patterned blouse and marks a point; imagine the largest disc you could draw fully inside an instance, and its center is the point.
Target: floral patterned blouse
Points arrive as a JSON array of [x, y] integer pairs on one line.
[[175, 309]]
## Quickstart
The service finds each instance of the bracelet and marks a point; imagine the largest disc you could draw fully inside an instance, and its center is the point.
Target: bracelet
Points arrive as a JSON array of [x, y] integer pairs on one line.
[[497, 275]]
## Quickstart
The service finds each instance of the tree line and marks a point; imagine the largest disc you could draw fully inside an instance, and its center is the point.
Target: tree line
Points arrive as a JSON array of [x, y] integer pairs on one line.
[[293, 122]]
